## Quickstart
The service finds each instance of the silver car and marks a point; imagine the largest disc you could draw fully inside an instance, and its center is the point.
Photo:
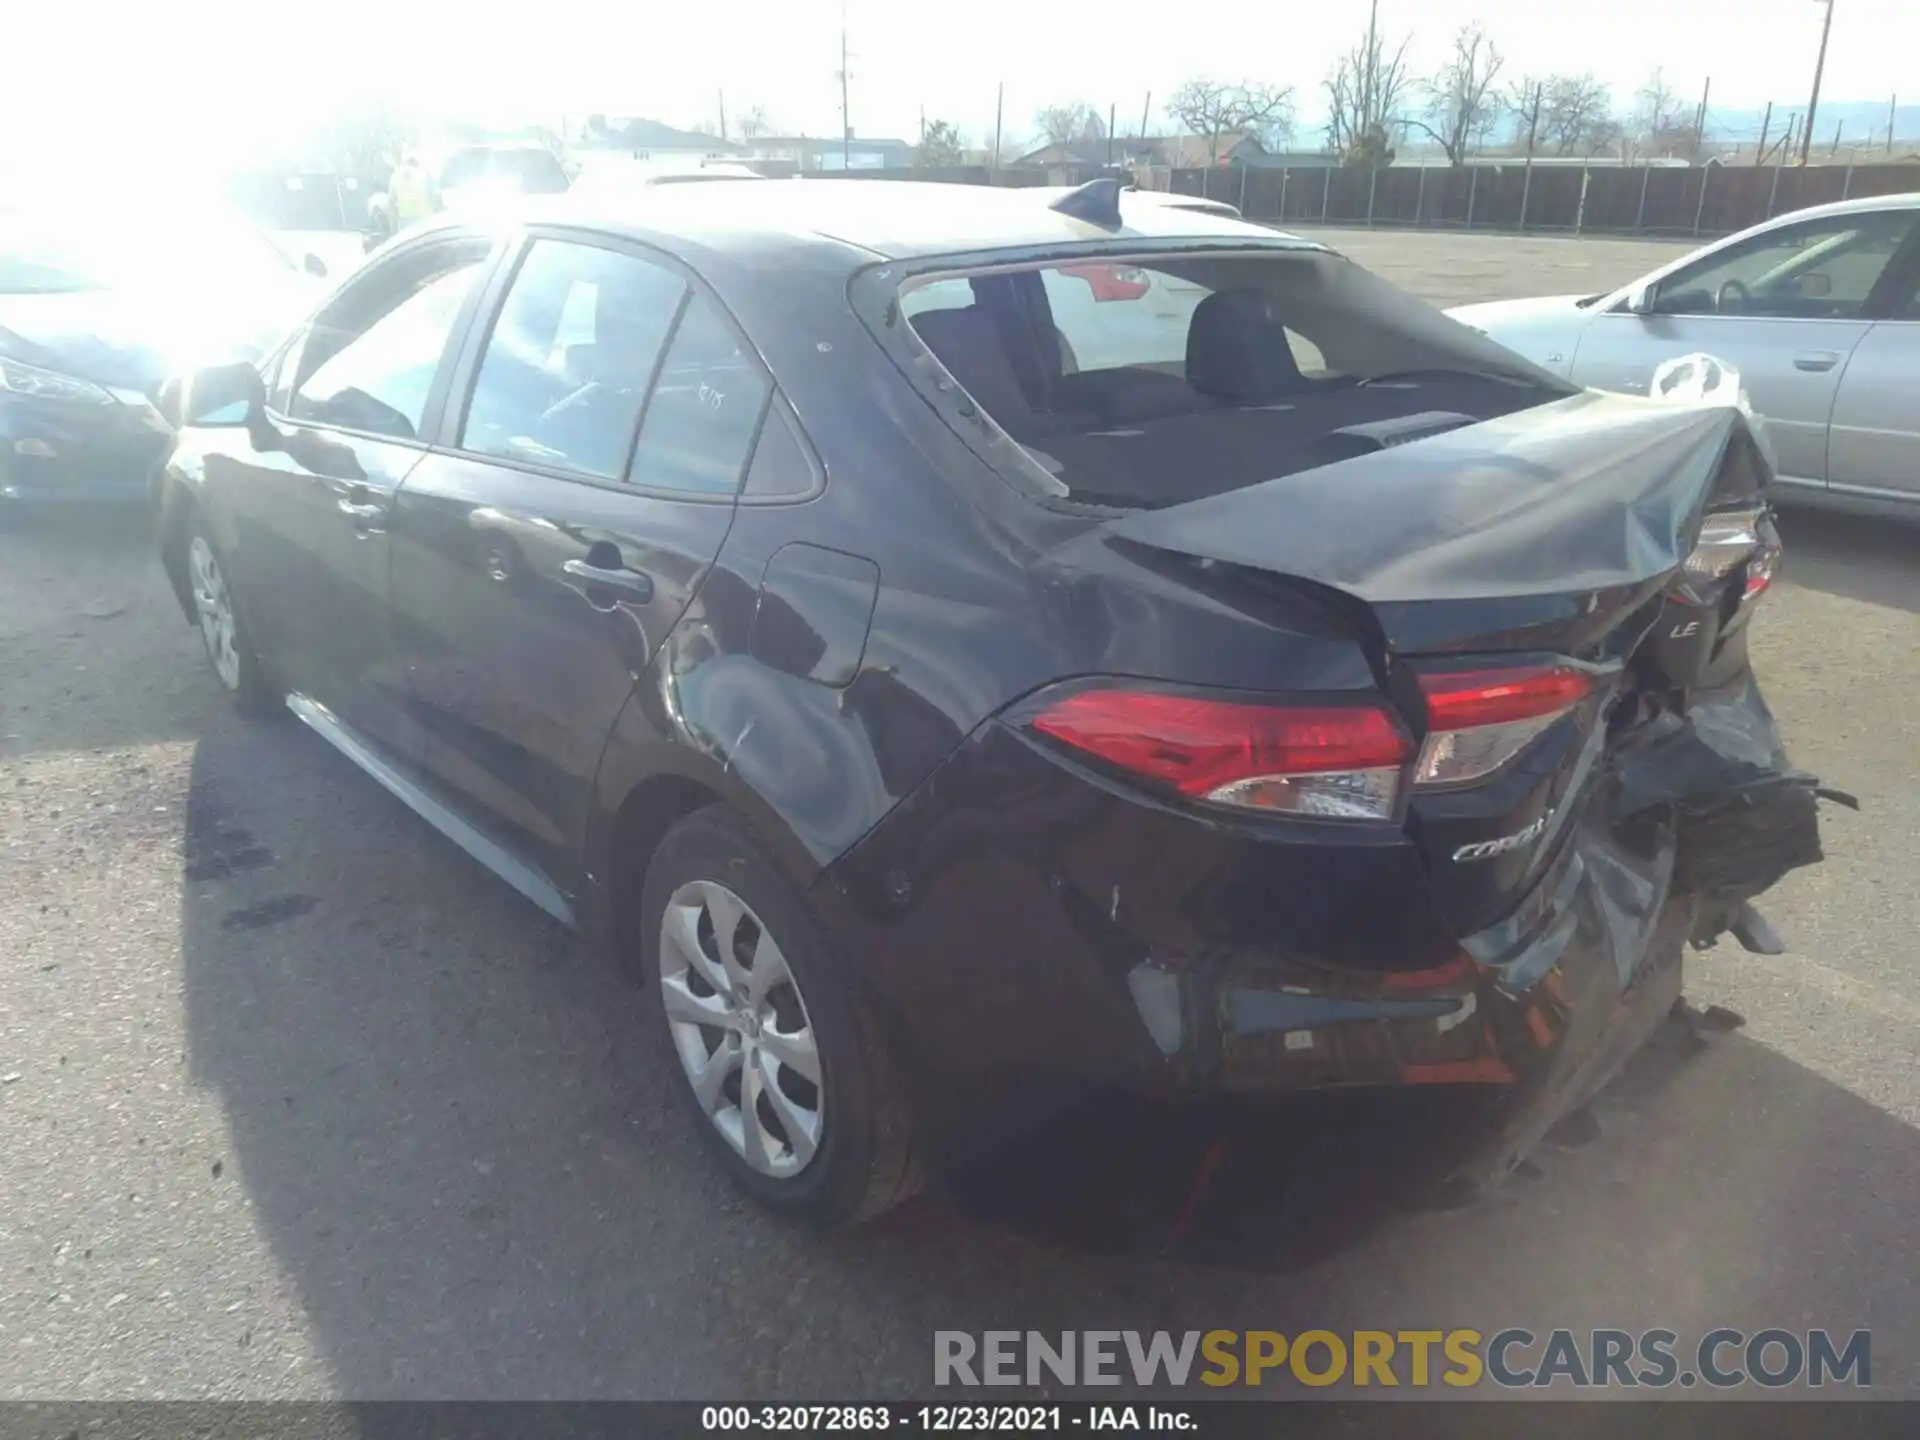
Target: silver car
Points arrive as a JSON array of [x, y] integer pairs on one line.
[[1819, 311]]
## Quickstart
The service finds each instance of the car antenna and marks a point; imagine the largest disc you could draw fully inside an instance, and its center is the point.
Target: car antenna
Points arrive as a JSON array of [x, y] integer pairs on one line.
[[1097, 202]]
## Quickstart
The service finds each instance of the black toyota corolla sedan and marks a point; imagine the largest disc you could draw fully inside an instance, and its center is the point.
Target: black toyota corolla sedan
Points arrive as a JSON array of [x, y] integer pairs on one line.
[[953, 689]]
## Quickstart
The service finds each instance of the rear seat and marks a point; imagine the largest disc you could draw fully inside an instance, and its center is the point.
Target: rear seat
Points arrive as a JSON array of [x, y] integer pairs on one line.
[[968, 344]]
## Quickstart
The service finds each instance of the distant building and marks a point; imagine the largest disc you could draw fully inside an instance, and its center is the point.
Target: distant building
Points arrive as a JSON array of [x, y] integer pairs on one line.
[[816, 152], [643, 139]]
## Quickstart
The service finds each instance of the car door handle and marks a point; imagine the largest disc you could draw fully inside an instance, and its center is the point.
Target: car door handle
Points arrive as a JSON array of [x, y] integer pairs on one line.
[[360, 506], [1816, 360], [637, 585]]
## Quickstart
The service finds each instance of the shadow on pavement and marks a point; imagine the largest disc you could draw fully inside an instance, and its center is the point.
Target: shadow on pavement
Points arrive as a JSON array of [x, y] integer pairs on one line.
[[1855, 557], [1273, 1184], [459, 1140]]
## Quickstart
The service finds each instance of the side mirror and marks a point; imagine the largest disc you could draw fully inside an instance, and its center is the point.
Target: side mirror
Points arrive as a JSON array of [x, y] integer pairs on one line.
[[223, 397], [314, 266], [227, 397], [1640, 302]]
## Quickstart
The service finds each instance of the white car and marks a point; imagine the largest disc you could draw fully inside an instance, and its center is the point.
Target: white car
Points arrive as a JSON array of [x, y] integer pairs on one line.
[[1819, 311]]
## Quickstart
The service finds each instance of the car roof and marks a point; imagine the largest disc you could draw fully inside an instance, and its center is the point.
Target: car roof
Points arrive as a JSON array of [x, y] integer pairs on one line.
[[883, 219], [1910, 200]]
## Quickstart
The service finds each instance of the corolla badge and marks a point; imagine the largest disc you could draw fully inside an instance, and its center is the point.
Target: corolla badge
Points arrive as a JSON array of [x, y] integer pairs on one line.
[[1487, 849]]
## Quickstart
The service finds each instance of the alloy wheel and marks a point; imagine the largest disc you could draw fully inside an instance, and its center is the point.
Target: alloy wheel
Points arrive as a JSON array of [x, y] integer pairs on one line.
[[741, 1028], [215, 606]]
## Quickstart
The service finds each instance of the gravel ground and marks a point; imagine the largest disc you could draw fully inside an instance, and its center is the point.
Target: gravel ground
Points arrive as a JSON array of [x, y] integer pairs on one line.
[[297, 1102]]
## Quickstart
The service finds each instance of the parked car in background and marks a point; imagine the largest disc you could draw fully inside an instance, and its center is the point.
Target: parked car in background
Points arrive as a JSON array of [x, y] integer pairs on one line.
[[940, 729], [97, 310], [1819, 311]]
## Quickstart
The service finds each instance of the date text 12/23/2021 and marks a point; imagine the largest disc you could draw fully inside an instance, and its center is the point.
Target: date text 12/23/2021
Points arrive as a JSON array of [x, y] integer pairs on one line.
[[947, 1419]]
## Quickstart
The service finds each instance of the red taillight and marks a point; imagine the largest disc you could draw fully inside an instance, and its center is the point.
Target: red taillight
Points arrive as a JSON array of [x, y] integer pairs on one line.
[[1342, 761], [1480, 719], [1111, 282]]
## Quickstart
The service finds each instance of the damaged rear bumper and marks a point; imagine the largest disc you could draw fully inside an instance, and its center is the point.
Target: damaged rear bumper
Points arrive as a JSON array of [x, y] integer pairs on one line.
[[1695, 816], [1029, 936]]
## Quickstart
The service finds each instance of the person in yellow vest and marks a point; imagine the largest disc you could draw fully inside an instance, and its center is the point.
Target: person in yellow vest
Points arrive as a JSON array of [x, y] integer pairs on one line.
[[410, 196]]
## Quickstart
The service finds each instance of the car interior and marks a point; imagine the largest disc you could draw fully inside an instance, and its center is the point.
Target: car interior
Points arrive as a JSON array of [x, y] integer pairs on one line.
[[1240, 409]]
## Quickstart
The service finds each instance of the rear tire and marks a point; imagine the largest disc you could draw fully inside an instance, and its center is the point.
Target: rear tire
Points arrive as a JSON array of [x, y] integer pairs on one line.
[[785, 1068], [222, 632]]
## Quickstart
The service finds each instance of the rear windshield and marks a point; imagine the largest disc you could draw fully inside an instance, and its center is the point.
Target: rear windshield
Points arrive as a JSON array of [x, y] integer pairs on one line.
[[1144, 382]]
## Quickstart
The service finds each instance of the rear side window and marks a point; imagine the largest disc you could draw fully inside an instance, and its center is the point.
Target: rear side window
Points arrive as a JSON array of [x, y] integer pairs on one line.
[[1136, 381], [704, 413], [566, 369], [782, 466]]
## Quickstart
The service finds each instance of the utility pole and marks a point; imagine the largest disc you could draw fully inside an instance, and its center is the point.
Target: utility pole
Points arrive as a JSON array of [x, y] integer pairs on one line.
[[1893, 105], [1836, 138], [999, 104], [1766, 123], [846, 119], [1700, 120], [1110, 110], [1368, 68], [1819, 68], [1533, 125], [1146, 109], [723, 114]]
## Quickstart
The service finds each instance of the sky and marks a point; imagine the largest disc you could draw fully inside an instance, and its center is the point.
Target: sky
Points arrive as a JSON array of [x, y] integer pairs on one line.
[[195, 78]]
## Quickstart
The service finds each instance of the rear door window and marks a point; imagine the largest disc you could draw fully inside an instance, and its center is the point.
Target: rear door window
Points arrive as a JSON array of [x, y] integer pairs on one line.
[[566, 368], [705, 410]]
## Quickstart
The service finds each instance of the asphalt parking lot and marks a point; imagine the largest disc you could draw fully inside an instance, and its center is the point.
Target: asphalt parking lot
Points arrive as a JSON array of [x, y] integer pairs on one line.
[[295, 1101]]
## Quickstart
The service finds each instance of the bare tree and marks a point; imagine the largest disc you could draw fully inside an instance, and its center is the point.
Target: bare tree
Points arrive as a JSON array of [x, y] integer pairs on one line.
[[1578, 119], [1662, 123], [1214, 109], [1075, 123], [755, 123], [940, 145], [1462, 105], [1367, 90]]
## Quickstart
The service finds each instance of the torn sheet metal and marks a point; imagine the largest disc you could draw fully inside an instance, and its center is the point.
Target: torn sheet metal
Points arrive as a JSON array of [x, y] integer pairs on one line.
[[1561, 509]]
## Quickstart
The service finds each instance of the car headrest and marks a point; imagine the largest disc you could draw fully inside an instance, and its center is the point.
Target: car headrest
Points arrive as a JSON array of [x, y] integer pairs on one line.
[[967, 343], [1236, 351], [579, 363]]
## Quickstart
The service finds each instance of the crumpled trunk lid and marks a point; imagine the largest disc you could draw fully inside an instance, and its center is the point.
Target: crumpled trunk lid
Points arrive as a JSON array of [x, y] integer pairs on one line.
[[1535, 529]]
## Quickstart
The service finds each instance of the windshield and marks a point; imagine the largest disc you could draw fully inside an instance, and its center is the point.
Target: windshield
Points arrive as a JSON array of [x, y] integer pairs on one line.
[[1150, 381], [53, 251]]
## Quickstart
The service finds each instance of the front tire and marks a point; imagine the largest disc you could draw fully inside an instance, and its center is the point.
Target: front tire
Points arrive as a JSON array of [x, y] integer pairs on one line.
[[786, 1071], [235, 665]]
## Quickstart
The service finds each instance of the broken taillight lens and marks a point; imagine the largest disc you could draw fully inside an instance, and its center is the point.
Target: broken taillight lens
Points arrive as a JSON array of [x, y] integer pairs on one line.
[[1478, 720], [1327, 761], [1727, 538], [1730, 539]]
